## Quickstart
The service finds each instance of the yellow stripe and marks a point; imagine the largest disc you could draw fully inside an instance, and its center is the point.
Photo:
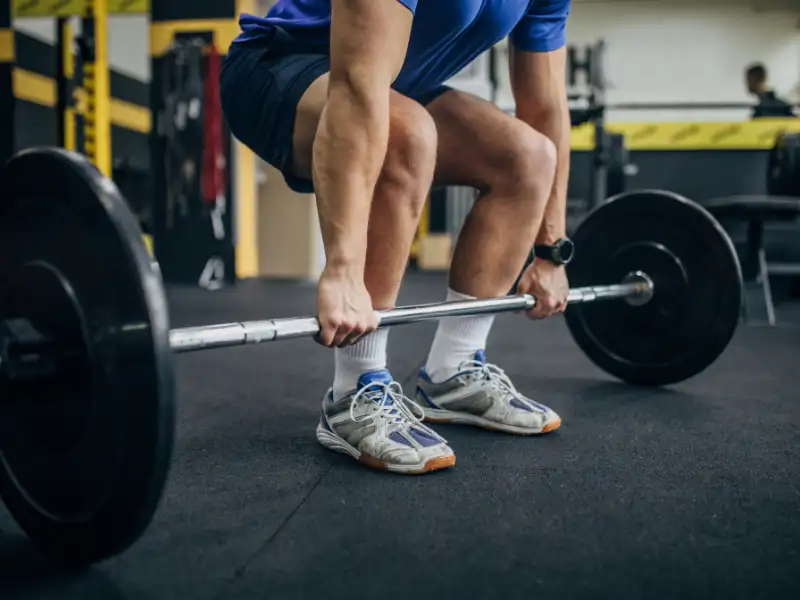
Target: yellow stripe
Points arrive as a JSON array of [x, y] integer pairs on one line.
[[244, 192], [162, 33], [758, 134], [97, 80], [41, 90], [33, 87], [66, 8], [130, 116], [70, 141], [6, 45]]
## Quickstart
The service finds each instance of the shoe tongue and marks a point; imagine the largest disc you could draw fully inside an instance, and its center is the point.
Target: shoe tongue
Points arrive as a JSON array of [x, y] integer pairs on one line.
[[480, 356], [383, 376]]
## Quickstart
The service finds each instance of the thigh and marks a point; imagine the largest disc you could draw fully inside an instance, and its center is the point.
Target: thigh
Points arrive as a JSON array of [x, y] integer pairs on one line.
[[405, 114], [476, 140]]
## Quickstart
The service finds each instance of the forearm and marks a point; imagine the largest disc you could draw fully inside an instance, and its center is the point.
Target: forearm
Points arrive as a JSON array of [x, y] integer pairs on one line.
[[368, 45], [349, 151], [539, 86], [555, 124]]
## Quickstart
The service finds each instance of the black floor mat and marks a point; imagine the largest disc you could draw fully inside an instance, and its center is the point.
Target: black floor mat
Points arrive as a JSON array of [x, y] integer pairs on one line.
[[688, 492]]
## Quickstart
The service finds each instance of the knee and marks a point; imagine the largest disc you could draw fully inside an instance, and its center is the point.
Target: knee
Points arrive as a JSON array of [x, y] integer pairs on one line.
[[529, 168], [410, 158]]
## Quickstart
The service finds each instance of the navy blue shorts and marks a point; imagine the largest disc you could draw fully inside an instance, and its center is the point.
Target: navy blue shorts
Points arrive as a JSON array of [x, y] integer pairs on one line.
[[261, 84]]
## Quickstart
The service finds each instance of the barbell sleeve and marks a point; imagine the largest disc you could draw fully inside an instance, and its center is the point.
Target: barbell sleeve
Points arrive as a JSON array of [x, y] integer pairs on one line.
[[191, 339]]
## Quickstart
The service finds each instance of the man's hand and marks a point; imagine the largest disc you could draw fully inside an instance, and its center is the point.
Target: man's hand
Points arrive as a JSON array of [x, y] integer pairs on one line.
[[344, 309], [547, 283]]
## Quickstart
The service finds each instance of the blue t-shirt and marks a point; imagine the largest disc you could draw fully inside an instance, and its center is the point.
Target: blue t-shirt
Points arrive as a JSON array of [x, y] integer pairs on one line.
[[446, 35]]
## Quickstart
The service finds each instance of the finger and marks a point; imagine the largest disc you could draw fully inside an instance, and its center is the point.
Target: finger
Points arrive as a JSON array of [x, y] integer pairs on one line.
[[358, 331], [373, 323], [344, 330], [326, 334], [351, 338], [544, 309], [536, 313]]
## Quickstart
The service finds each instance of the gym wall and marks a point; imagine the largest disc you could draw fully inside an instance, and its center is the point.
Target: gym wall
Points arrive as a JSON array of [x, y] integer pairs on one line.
[[128, 45], [684, 51], [35, 118]]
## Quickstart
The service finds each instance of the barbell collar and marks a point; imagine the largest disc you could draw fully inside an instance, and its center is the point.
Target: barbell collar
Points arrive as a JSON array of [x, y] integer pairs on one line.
[[191, 339]]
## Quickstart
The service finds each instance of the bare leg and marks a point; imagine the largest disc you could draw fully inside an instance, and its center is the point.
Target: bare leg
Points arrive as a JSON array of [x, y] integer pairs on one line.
[[396, 208], [513, 167]]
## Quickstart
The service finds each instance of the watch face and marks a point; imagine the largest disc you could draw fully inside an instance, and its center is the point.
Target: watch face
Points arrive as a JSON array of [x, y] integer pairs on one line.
[[565, 250]]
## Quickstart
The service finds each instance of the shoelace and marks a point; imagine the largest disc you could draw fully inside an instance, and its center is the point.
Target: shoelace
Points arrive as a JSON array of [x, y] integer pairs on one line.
[[394, 405], [498, 377]]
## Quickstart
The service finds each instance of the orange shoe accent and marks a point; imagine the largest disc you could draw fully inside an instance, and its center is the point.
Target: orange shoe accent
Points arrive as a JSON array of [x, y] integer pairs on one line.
[[437, 464], [546, 429], [552, 426], [373, 462], [434, 464]]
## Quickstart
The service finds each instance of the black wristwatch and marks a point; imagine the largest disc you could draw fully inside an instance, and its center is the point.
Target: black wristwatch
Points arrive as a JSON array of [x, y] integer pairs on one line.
[[559, 253]]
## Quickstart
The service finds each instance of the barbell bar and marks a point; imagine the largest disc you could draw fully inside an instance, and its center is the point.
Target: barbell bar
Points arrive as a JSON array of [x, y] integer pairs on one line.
[[86, 444], [637, 286]]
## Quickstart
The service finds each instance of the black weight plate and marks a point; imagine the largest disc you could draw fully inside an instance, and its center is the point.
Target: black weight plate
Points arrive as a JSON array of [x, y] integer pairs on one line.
[[697, 281], [84, 455], [783, 169]]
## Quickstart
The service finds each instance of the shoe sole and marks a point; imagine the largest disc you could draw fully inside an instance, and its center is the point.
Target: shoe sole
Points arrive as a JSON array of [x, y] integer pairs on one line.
[[331, 441], [433, 415]]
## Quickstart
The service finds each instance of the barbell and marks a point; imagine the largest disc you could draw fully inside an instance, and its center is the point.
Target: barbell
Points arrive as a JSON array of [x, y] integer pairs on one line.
[[87, 417]]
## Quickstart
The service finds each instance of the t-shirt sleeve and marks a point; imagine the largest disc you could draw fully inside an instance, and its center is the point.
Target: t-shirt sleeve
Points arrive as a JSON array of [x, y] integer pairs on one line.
[[544, 26], [410, 4]]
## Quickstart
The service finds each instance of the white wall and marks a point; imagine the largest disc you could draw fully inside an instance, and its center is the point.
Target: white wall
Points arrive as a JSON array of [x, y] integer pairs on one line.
[[684, 51], [128, 41]]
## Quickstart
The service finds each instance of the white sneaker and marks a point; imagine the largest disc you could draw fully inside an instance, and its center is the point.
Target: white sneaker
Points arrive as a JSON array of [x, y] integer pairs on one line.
[[376, 425], [481, 394]]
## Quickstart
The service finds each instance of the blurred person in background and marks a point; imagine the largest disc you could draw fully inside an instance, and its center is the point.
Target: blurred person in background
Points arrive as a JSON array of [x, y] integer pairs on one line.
[[769, 105]]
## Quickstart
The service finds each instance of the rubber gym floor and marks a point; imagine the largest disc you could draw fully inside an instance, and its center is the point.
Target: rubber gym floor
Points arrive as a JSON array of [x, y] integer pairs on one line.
[[686, 492]]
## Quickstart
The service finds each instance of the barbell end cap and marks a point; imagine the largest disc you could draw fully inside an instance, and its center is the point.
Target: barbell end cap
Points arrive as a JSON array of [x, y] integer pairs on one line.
[[647, 288]]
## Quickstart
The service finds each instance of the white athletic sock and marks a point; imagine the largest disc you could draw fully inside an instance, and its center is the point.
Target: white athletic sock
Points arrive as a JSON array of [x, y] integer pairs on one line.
[[365, 356], [457, 340]]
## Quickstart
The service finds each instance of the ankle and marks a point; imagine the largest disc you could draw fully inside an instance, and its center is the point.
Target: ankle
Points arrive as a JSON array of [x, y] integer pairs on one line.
[[457, 340], [365, 356]]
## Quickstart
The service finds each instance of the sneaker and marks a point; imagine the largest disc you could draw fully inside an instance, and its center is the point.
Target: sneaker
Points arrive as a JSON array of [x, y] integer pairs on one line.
[[377, 425], [482, 394]]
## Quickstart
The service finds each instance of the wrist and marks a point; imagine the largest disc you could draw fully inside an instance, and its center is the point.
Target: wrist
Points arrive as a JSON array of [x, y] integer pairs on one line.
[[549, 236], [341, 267], [558, 253]]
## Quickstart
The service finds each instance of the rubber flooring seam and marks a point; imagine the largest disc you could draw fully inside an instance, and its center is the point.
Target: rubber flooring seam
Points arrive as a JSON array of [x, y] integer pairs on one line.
[[243, 568]]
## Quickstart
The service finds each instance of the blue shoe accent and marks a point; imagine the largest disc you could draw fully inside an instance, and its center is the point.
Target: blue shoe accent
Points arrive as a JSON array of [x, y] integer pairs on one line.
[[424, 438], [426, 397], [521, 405], [398, 437], [382, 376], [480, 356]]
